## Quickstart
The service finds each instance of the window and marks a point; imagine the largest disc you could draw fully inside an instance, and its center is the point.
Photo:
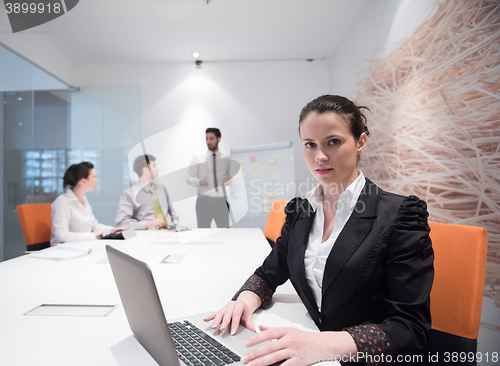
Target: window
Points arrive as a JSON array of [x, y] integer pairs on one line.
[[44, 169]]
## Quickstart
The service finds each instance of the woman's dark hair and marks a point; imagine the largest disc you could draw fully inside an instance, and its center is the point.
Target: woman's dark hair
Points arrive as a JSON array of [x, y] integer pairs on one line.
[[76, 172], [340, 106]]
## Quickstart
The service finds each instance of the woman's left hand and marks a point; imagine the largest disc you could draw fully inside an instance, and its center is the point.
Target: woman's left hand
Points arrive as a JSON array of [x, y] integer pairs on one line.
[[120, 228], [297, 346]]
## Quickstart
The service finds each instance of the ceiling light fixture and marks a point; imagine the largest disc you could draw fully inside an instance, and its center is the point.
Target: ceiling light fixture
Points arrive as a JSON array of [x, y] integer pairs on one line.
[[196, 55]]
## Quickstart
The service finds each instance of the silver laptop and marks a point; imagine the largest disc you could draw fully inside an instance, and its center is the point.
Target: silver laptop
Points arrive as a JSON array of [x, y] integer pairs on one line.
[[190, 341]]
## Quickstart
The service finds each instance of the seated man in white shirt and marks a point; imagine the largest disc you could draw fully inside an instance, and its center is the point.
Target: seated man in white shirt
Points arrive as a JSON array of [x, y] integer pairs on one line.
[[146, 205]]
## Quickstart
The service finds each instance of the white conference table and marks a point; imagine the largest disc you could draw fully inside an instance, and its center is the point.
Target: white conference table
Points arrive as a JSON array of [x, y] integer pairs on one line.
[[216, 264]]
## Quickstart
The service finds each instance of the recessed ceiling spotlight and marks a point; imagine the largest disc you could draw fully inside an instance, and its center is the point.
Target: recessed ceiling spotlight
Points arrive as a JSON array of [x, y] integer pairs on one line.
[[196, 55]]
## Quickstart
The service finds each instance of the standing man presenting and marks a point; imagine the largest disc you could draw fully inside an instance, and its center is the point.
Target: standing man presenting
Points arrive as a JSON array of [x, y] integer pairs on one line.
[[209, 172], [146, 205]]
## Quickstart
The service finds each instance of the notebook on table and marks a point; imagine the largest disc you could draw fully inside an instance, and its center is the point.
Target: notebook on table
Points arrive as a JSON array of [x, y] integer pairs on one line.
[[189, 341], [120, 235]]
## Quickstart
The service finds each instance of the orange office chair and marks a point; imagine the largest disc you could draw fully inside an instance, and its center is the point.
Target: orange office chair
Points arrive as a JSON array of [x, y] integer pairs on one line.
[[457, 291], [36, 222], [275, 221]]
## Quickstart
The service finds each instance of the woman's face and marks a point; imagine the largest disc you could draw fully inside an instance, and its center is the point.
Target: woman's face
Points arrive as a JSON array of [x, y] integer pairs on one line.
[[330, 150], [91, 181]]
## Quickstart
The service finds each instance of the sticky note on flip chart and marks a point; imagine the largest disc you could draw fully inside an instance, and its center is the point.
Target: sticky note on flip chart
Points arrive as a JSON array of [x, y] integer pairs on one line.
[[253, 166], [263, 166], [265, 204], [272, 158], [255, 174], [276, 175], [252, 158]]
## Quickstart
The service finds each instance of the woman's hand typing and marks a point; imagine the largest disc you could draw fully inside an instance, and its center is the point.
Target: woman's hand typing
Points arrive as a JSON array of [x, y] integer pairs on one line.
[[236, 313], [297, 346]]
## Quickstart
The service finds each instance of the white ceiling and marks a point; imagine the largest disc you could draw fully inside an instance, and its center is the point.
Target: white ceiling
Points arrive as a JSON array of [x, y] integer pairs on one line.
[[158, 31]]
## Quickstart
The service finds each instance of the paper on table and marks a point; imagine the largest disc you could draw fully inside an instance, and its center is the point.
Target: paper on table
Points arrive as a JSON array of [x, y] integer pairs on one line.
[[173, 258], [71, 310], [62, 252]]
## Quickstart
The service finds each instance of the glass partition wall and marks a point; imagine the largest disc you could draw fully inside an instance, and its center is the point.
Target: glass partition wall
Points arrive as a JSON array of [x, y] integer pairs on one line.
[[16, 118], [35, 153], [45, 127]]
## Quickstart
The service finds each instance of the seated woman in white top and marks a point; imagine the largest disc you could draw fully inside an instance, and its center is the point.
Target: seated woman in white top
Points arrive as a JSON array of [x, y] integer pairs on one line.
[[72, 217]]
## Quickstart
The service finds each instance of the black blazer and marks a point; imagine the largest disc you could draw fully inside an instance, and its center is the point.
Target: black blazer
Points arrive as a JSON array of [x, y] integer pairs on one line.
[[380, 270]]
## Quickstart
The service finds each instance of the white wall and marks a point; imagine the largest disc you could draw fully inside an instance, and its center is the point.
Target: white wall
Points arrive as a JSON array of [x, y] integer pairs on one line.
[[379, 26], [17, 74], [40, 53], [251, 102]]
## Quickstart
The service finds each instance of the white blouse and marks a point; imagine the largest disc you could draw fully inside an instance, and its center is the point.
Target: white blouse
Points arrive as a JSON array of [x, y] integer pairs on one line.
[[318, 252], [72, 221]]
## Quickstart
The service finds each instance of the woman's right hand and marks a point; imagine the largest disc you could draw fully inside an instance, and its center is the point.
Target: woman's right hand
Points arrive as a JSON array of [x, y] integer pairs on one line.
[[236, 313], [97, 233]]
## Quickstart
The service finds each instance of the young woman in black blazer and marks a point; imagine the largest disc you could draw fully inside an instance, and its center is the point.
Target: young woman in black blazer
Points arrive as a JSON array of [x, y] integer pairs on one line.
[[360, 258]]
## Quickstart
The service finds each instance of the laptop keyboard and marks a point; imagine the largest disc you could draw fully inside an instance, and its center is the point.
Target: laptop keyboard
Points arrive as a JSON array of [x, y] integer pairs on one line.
[[196, 348]]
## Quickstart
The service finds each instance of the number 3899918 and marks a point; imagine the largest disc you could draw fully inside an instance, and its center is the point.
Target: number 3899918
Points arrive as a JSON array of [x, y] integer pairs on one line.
[[33, 8]]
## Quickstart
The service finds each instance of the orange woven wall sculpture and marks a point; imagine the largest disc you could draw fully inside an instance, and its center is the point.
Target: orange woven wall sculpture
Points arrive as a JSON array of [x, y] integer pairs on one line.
[[435, 120]]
